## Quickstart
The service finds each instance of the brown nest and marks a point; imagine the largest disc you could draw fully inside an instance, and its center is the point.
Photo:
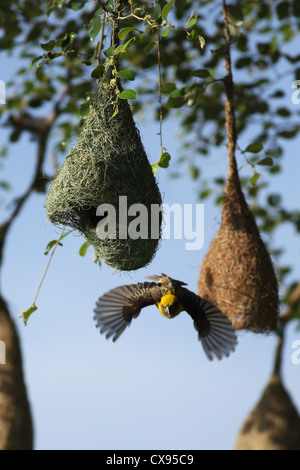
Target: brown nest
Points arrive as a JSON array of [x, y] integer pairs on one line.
[[108, 161], [274, 424], [237, 274]]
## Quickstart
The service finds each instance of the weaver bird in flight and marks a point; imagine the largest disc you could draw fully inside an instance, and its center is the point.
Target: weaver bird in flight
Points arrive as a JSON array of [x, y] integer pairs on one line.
[[116, 308]]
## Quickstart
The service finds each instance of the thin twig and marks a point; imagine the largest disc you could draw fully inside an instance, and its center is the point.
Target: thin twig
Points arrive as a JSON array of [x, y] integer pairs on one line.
[[40, 128], [229, 103], [48, 264], [159, 88], [279, 350], [102, 4], [101, 39]]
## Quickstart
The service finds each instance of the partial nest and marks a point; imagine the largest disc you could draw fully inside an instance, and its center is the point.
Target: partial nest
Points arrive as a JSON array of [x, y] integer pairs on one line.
[[108, 161], [274, 424], [237, 275]]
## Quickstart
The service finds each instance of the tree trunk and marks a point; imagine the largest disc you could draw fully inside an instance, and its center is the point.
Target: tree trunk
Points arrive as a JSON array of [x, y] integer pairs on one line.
[[16, 431]]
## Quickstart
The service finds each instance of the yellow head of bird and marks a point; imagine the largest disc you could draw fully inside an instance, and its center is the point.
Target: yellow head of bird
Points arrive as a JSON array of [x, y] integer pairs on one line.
[[169, 305]]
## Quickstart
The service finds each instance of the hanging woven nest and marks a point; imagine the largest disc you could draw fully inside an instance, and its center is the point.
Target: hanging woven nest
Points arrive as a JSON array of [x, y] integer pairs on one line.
[[274, 424], [108, 161], [237, 274]]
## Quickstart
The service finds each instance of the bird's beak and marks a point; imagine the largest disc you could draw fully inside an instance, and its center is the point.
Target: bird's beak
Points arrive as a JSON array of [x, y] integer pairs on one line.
[[168, 309]]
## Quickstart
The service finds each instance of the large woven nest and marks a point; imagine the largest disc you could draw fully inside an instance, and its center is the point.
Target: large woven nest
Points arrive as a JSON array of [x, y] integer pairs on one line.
[[237, 274], [108, 161], [274, 424]]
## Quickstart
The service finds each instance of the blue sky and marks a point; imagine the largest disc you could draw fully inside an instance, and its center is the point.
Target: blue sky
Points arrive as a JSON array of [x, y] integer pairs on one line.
[[153, 388]]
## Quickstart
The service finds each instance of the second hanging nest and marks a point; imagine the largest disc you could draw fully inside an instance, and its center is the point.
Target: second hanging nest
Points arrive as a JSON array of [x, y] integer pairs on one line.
[[237, 274], [274, 424], [108, 161]]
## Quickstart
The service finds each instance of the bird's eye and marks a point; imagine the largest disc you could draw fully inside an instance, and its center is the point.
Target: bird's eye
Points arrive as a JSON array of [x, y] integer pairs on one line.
[[159, 284]]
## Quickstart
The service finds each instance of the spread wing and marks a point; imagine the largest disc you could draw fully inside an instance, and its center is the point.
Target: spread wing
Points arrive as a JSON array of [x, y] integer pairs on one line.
[[215, 331], [115, 310]]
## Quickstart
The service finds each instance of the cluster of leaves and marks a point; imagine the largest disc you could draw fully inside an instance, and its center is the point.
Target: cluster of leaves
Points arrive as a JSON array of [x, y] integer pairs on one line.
[[265, 64], [67, 41]]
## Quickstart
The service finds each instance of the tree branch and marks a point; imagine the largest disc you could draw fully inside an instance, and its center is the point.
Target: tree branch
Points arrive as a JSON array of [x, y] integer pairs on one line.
[[103, 6], [229, 103], [41, 129]]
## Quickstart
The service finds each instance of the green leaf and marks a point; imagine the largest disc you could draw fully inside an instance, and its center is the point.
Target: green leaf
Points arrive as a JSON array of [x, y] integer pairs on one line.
[[192, 21], [164, 160], [201, 73], [27, 313], [127, 74], [234, 31], [168, 88], [205, 194], [53, 243], [254, 179], [155, 12], [123, 47], [67, 40], [48, 46], [84, 248], [176, 100], [15, 135], [35, 60], [268, 161], [49, 246], [194, 172], [256, 147], [288, 134], [150, 46], [5, 185], [192, 35], [154, 168], [283, 112], [165, 32], [110, 6], [128, 94], [235, 14], [51, 10], [84, 111], [109, 52], [283, 10], [166, 9], [149, 27], [66, 234], [72, 37], [66, 142], [76, 5], [98, 71], [275, 169], [123, 33], [96, 26], [39, 71]]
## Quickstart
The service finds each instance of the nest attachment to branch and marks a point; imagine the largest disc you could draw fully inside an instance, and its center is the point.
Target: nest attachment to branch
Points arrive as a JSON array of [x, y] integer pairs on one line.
[[108, 161]]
